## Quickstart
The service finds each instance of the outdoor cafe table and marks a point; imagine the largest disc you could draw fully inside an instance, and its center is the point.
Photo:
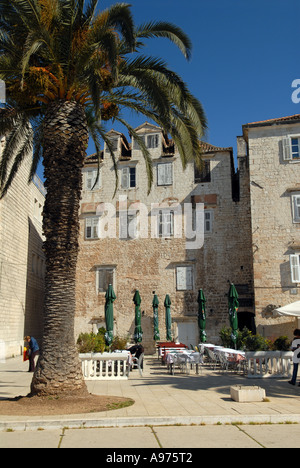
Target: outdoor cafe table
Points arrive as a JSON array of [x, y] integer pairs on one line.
[[233, 354], [186, 358]]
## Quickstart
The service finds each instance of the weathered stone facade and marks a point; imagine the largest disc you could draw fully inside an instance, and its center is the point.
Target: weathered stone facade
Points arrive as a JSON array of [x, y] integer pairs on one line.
[[272, 153], [164, 264], [21, 261]]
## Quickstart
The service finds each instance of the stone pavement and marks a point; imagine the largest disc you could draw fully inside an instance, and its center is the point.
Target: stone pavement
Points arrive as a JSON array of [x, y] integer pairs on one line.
[[197, 409]]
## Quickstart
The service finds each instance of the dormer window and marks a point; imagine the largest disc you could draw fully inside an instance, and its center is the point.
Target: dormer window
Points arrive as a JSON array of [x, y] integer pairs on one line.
[[114, 143], [151, 141]]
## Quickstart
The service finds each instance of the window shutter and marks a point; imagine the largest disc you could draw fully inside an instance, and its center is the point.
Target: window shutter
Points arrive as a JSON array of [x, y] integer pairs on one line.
[[189, 278], [152, 141], [105, 277], [91, 177], [184, 278], [296, 207], [95, 231], [89, 180], [181, 278], [160, 175], [208, 223], [165, 174], [287, 149], [88, 228], [125, 178], [169, 175], [123, 220], [101, 280], [295, 268]]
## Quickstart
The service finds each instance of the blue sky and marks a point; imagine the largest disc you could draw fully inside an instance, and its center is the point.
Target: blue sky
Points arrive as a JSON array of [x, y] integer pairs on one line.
[[245, 58]]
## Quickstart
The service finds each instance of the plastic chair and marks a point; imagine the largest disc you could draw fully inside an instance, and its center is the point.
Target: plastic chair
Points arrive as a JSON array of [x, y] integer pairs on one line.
[[138, 362]]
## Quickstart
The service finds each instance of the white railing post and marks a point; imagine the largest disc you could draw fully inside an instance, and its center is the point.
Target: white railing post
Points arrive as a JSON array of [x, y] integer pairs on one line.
[[105, 366], [262, 364]]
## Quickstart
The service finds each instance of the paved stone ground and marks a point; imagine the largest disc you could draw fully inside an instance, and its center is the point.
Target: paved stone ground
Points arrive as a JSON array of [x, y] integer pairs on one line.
[[197, 409]]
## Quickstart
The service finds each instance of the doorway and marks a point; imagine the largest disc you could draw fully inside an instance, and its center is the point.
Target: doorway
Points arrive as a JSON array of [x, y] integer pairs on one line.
[[188, 333], [247, 319]]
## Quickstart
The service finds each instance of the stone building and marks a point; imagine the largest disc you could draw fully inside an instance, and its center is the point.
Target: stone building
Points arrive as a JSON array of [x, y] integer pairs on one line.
[[271, 150], [138, 240], [21, 261]]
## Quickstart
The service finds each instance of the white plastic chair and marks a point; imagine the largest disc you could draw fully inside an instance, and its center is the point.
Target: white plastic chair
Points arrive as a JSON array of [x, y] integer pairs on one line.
[[138, 362]]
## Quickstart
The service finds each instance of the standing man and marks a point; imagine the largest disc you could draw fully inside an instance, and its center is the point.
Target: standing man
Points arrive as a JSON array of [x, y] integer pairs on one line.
[[34, 351], [296, 357]]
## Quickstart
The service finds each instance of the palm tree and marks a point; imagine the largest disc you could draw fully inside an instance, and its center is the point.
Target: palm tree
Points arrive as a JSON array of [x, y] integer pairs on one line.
[[68, 70]]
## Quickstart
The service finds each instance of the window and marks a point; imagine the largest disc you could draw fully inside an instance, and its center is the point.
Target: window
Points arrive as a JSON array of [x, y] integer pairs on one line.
[[151, 141], [203, 175], [296, 208], [165, 174], [208, 221], [91, 178], [166, 223], [114, 143], [184, 278], [104, 276], [128, 179], [128, 226], [92, 228], [295, 267], [291, 149]]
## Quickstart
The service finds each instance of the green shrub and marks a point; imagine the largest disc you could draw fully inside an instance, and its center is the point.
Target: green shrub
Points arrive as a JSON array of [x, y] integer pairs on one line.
[[281, 344], [92, 343], [246, 341]]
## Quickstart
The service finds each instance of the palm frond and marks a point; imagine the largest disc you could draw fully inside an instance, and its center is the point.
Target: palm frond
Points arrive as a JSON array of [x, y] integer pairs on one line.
[[145, 151], [167, 30]]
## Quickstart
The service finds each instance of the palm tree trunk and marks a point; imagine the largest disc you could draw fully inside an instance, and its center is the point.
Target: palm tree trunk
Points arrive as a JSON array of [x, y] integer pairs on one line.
[[65, 144]]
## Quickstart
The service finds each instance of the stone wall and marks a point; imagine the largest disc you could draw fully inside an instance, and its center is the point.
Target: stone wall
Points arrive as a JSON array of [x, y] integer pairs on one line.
[[150, 264], [17, 241], [275, 236]]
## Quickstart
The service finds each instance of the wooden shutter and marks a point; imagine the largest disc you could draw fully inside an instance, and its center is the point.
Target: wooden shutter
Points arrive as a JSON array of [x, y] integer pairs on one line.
[[181, 278], [125, 178], [296, 199], [208, 221], [287, 149], [165, 174], [91, 177], [88, 228], [95, 228], [184, 278], [295, 268], [189, 278]]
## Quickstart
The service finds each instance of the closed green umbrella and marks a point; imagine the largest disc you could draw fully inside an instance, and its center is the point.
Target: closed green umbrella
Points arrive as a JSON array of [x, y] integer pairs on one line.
[[233, 305], [110, 297], [202, 315], [167, 305], [155, 318], [138, 332]]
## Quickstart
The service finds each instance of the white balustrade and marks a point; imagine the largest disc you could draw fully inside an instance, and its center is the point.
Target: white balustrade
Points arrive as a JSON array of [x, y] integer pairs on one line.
[[104, 366], [262, 364]]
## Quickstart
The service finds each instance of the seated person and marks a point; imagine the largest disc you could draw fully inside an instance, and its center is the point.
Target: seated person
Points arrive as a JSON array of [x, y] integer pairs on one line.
[[136, 351]]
